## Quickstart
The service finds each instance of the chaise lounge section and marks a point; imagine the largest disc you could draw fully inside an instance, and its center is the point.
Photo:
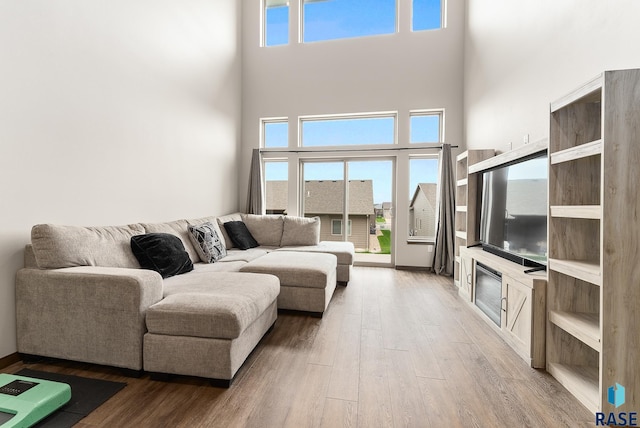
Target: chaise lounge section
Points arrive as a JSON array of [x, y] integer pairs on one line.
[[83, 297]]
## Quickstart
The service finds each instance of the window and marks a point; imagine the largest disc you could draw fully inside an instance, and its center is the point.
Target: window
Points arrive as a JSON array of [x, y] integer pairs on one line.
[[349, 131], [426, 127], [336, 227], [276, 180], [275, 133], [423, 179], [276, 22], [426, 15], [341, 19]]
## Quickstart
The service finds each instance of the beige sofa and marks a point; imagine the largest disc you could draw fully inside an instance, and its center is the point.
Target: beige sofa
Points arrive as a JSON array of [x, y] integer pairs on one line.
[[82, 296]]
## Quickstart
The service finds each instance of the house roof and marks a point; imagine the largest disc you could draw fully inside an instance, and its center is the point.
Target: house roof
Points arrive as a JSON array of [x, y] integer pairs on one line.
[[325, 196], [428, 190], [276, 197]]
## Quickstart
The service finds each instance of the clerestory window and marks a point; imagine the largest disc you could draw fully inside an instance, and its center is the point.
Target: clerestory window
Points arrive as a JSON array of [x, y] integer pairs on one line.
[[343, 19], [351, 130], [322, 20], [276, 22]]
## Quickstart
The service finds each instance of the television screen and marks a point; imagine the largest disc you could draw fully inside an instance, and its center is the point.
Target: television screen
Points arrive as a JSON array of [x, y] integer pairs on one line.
[[513, 218]]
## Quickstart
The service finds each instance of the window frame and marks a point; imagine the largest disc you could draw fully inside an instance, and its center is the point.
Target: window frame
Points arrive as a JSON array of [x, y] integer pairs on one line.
[[423, 239], [299, 18], [301, 26], [348, 116], [265, 162], [263, 23], [263, 132], [443, 20], [428, 112]]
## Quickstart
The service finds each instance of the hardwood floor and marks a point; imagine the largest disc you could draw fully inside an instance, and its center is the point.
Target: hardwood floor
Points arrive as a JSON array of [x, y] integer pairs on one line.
[[394, 349]]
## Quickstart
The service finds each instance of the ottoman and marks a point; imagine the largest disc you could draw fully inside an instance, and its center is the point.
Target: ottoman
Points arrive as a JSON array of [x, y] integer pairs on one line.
[[307, 280], [208, 323], [344, 251]]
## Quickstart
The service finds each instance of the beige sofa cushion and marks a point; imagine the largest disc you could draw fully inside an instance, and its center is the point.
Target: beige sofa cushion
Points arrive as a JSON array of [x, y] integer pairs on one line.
[[266, 229], [300, 231], [221, 221], [178, 228], [57, 246], [307, 270], [220, 305], [344, 251]]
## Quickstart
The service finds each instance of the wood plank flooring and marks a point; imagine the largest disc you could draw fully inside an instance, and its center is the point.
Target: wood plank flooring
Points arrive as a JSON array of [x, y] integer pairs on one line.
[[394, 349]]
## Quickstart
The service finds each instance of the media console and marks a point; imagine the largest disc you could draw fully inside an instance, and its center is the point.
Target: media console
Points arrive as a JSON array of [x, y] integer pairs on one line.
[[509, 300]]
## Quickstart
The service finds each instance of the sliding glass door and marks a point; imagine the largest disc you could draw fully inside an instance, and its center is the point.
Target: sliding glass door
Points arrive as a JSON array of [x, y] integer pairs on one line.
[[358, 209]]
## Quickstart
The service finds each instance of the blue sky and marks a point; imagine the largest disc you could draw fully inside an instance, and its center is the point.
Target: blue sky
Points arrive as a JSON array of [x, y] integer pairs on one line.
[[336, 19]]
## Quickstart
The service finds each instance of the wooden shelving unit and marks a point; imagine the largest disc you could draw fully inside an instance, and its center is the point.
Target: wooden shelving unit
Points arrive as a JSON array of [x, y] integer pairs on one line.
[[593, 299], [467, 214]]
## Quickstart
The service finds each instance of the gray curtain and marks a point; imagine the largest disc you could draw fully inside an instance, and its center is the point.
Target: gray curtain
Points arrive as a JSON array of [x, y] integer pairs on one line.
[[255, 194], [444, 251]]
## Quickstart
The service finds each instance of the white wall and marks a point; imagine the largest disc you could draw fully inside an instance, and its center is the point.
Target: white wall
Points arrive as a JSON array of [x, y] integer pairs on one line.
[[398, 72], [520, 56], [113, 112]]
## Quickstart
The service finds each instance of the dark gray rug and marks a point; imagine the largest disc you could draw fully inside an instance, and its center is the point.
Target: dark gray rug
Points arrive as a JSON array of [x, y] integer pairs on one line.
[[86, 396]]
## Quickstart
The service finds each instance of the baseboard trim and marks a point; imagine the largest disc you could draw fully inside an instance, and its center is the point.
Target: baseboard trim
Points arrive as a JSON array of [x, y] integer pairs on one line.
[[9, 359]]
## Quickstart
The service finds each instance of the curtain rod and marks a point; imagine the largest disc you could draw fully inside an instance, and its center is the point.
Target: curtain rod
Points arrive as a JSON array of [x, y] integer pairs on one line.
[[382, 149]]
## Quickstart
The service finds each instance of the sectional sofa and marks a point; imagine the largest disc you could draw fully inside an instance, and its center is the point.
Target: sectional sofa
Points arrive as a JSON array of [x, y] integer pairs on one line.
[[83, 295]]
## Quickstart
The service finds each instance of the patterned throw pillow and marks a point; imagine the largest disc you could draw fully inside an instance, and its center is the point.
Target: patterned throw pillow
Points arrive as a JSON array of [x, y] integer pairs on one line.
[[207, 242]]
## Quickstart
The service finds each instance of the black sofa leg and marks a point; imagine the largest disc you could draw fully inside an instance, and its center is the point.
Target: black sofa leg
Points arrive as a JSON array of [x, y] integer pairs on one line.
[[131, 373]]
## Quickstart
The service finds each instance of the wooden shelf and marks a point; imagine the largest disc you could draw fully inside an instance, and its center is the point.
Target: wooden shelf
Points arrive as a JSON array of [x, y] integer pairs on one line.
[[583, 326], [576, 211], [582, 269], [589, 92], [581, 381], [510, 156], [593, 238], [593, 148], [466, 216]]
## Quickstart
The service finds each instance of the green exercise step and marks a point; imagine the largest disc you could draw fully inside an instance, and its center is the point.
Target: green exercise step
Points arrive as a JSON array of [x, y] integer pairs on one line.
[[24, 400]]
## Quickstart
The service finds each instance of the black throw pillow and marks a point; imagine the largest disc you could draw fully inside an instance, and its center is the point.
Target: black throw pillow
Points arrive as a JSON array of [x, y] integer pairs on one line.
[[161, 252], [240, 235]]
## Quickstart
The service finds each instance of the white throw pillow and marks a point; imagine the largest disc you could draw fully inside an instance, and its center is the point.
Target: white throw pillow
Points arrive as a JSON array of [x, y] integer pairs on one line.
[[300, 231]]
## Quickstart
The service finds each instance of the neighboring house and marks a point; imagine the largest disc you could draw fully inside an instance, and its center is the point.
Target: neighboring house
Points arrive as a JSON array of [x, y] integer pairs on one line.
[[387, 208], [383, 210], [377, 208], [276, 197], [422, 211], [325, 199]]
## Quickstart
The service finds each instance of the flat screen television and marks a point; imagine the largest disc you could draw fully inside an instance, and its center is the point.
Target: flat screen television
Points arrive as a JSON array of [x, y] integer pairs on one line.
[[513, 214]]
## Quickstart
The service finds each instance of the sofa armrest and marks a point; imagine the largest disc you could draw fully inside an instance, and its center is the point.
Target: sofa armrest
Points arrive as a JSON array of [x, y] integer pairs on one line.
[[88, 313]]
